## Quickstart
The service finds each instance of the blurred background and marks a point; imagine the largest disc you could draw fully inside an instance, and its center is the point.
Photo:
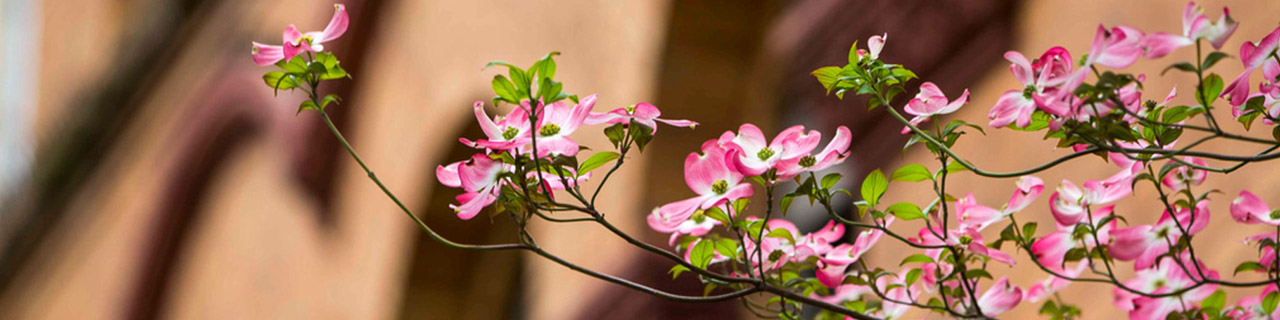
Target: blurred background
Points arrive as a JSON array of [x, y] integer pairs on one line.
[[146, 172]]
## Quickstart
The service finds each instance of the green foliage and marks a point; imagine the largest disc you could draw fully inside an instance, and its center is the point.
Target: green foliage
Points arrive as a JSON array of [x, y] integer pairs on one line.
[[535, 83], [873, 186], [906, 211], [911, 173], [597, 160]]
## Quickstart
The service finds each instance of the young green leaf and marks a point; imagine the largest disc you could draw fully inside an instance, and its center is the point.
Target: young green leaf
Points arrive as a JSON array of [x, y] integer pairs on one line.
[[916, 258], [702, 253], [597, 160], [906, 211], [911, 173], [874, 186]]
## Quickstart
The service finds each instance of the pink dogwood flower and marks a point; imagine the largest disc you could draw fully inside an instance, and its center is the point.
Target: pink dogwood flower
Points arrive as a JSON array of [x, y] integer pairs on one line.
[[1118, 48], [777, 251], [875, 44], [1252, 56], [1051, 250], [930, 102], [836, 151], [1248, 208], [1144, 243], [1195, 26], [479, 177], [1184, 176], [1268, 91], [1000, 297], [708, 175], [557, 122], [1041, 81], [967, 237], [296, 42], [1028, 189], [1069, 203], [1167, 277], [503, 132], [835, 262], [643, 113], [976, 216], [750, 154]]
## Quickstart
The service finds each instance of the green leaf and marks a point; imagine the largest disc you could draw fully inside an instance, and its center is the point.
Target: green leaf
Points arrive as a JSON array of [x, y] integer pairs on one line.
[[640, 134], [1269, 303], [827, 76], [307, 105], [920, 258], [718, 214], [873, 186], [911, 173], [1249, 266], [786, 201], [1216, 300], [853, 53], [1213, 58], [505, 90], [677, 270], [727, 247], [702, 253], [1029, 230], [1212, 88], [545, 68], [955, 166], [977, 273], [781, 233], [906, 211], [830, 180], [279, 80], [597, 160], [329, 98], [904, 74], [912, 276], [1184, 66], [1049, 308], [296, 65], [335, 72], [616, 133]]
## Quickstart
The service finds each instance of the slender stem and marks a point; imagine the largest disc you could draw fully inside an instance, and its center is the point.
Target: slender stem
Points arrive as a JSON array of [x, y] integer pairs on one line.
[[421, 225]]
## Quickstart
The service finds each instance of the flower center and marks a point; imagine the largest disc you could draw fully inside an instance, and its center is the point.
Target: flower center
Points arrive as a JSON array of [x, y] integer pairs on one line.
[[1028, 91], [549, 130], [698, 216], [1159, 283], [720, 187], [775, 255], [631, 109], [965, 239], [511, 133], [765, 154], [1162, 233], [305, 39], [808, 161], [1275, 214]]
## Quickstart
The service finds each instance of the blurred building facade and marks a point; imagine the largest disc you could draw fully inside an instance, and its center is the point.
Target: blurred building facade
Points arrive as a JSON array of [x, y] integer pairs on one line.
[[167, 182]]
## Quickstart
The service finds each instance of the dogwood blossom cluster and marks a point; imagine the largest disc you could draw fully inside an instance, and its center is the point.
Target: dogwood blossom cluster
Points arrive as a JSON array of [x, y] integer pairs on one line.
[[529, 166]]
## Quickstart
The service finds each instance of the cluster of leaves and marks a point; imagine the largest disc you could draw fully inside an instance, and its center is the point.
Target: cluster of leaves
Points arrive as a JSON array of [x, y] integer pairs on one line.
[[305, 73], [537, 83], [865, 76]]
